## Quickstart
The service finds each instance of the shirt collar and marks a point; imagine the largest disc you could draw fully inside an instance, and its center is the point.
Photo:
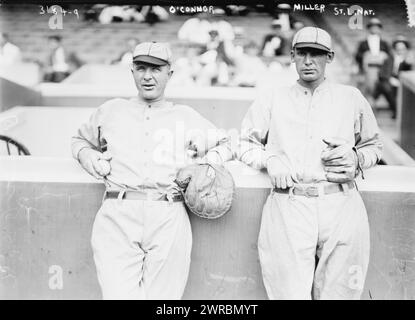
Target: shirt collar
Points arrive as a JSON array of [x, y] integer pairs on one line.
[[323, 85], [373, 37], [156, 104]]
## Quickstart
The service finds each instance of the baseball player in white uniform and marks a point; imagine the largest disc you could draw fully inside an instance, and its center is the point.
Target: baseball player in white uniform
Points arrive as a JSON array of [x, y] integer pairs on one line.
[[313, 137], [141, 237]]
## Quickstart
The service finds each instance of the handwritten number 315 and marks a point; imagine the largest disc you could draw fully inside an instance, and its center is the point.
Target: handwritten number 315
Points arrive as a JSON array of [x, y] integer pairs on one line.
[[56, 21]]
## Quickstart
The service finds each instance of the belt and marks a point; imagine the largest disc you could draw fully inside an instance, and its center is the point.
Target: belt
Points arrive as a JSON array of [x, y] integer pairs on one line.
[[133, 195], [313, 191]]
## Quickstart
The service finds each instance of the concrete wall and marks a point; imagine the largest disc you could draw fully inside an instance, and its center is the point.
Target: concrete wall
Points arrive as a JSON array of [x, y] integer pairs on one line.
[[27, 74], [406, 113], [46, 131], [226, 107], [47, 207], [13, 94]]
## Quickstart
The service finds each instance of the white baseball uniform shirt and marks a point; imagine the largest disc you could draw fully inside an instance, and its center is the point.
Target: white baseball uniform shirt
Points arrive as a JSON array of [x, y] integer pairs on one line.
[[149, 142], [295, 121]]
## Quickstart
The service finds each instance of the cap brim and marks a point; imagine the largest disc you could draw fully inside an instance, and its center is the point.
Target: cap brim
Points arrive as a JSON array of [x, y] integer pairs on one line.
[[312, 45], [150, 60]]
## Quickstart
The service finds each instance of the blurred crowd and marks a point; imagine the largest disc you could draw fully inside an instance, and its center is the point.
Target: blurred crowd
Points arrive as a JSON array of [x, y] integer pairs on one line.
[[107, 14], [380, 63], [217, 53], [58, 64]]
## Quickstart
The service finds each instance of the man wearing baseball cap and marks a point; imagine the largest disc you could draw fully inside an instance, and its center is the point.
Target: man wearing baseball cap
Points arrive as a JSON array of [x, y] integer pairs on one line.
[[314, 138], [141, 238]]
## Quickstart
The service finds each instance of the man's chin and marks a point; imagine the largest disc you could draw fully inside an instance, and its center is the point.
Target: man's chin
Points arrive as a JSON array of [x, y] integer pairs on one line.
[[149, 95], [309, 77]]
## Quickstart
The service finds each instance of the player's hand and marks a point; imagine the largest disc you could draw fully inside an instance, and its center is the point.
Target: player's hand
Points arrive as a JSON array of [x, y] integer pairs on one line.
[[212, 157], [340, 161], [192, 149], [280, 173], [94, 162], [394, 81]]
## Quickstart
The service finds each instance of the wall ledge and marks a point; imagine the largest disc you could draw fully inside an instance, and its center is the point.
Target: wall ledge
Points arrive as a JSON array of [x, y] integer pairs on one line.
[[67, 170]]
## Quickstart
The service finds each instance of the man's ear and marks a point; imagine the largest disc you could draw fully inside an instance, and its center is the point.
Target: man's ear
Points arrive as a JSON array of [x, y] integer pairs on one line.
[[171, 73], [292, 53], [330, 57]]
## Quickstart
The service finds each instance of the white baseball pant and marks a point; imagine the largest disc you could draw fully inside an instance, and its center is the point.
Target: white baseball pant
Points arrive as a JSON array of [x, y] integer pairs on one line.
[[142, 249], [295, 229]]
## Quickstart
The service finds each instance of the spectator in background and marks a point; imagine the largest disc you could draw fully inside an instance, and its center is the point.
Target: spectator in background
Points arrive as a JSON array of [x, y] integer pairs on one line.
[[216, 35], [92, 12], [297, 25], [370, 57], [126, 57], [248, 66], [224, 28], [187, 69], [154, 14], [195, 30], [283, 16], [401, 59], [274, 43], [217, 60], [112, 14], [235, 10], [60, 63], [9, 53], [240, 39]]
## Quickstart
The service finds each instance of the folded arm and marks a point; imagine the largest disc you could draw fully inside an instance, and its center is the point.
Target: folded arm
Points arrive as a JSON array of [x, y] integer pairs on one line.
[[368, 144], [254, 133]]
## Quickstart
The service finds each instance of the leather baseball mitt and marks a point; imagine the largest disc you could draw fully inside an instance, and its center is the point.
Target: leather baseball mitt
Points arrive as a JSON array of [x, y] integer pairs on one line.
[[207, 189]]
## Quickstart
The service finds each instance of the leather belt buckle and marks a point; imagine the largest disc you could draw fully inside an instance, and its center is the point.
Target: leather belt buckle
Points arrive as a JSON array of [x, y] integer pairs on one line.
[[131, 195], [311, 192], [177, 197]]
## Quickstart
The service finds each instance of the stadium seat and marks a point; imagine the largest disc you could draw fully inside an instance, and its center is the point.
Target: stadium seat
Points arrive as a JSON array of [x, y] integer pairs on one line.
[[11, 144]]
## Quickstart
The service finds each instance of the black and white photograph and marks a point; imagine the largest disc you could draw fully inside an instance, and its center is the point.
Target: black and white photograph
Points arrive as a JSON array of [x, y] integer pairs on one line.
[[204, 151]]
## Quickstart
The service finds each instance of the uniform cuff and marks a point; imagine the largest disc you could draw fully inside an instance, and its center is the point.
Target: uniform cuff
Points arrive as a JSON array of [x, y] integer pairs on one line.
[[268, 155], [224, 152], [360, 162], [77, 147]]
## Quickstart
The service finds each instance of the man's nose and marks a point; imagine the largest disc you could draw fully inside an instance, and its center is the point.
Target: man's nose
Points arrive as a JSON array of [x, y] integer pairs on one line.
[[307, 59], [148, 74]]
